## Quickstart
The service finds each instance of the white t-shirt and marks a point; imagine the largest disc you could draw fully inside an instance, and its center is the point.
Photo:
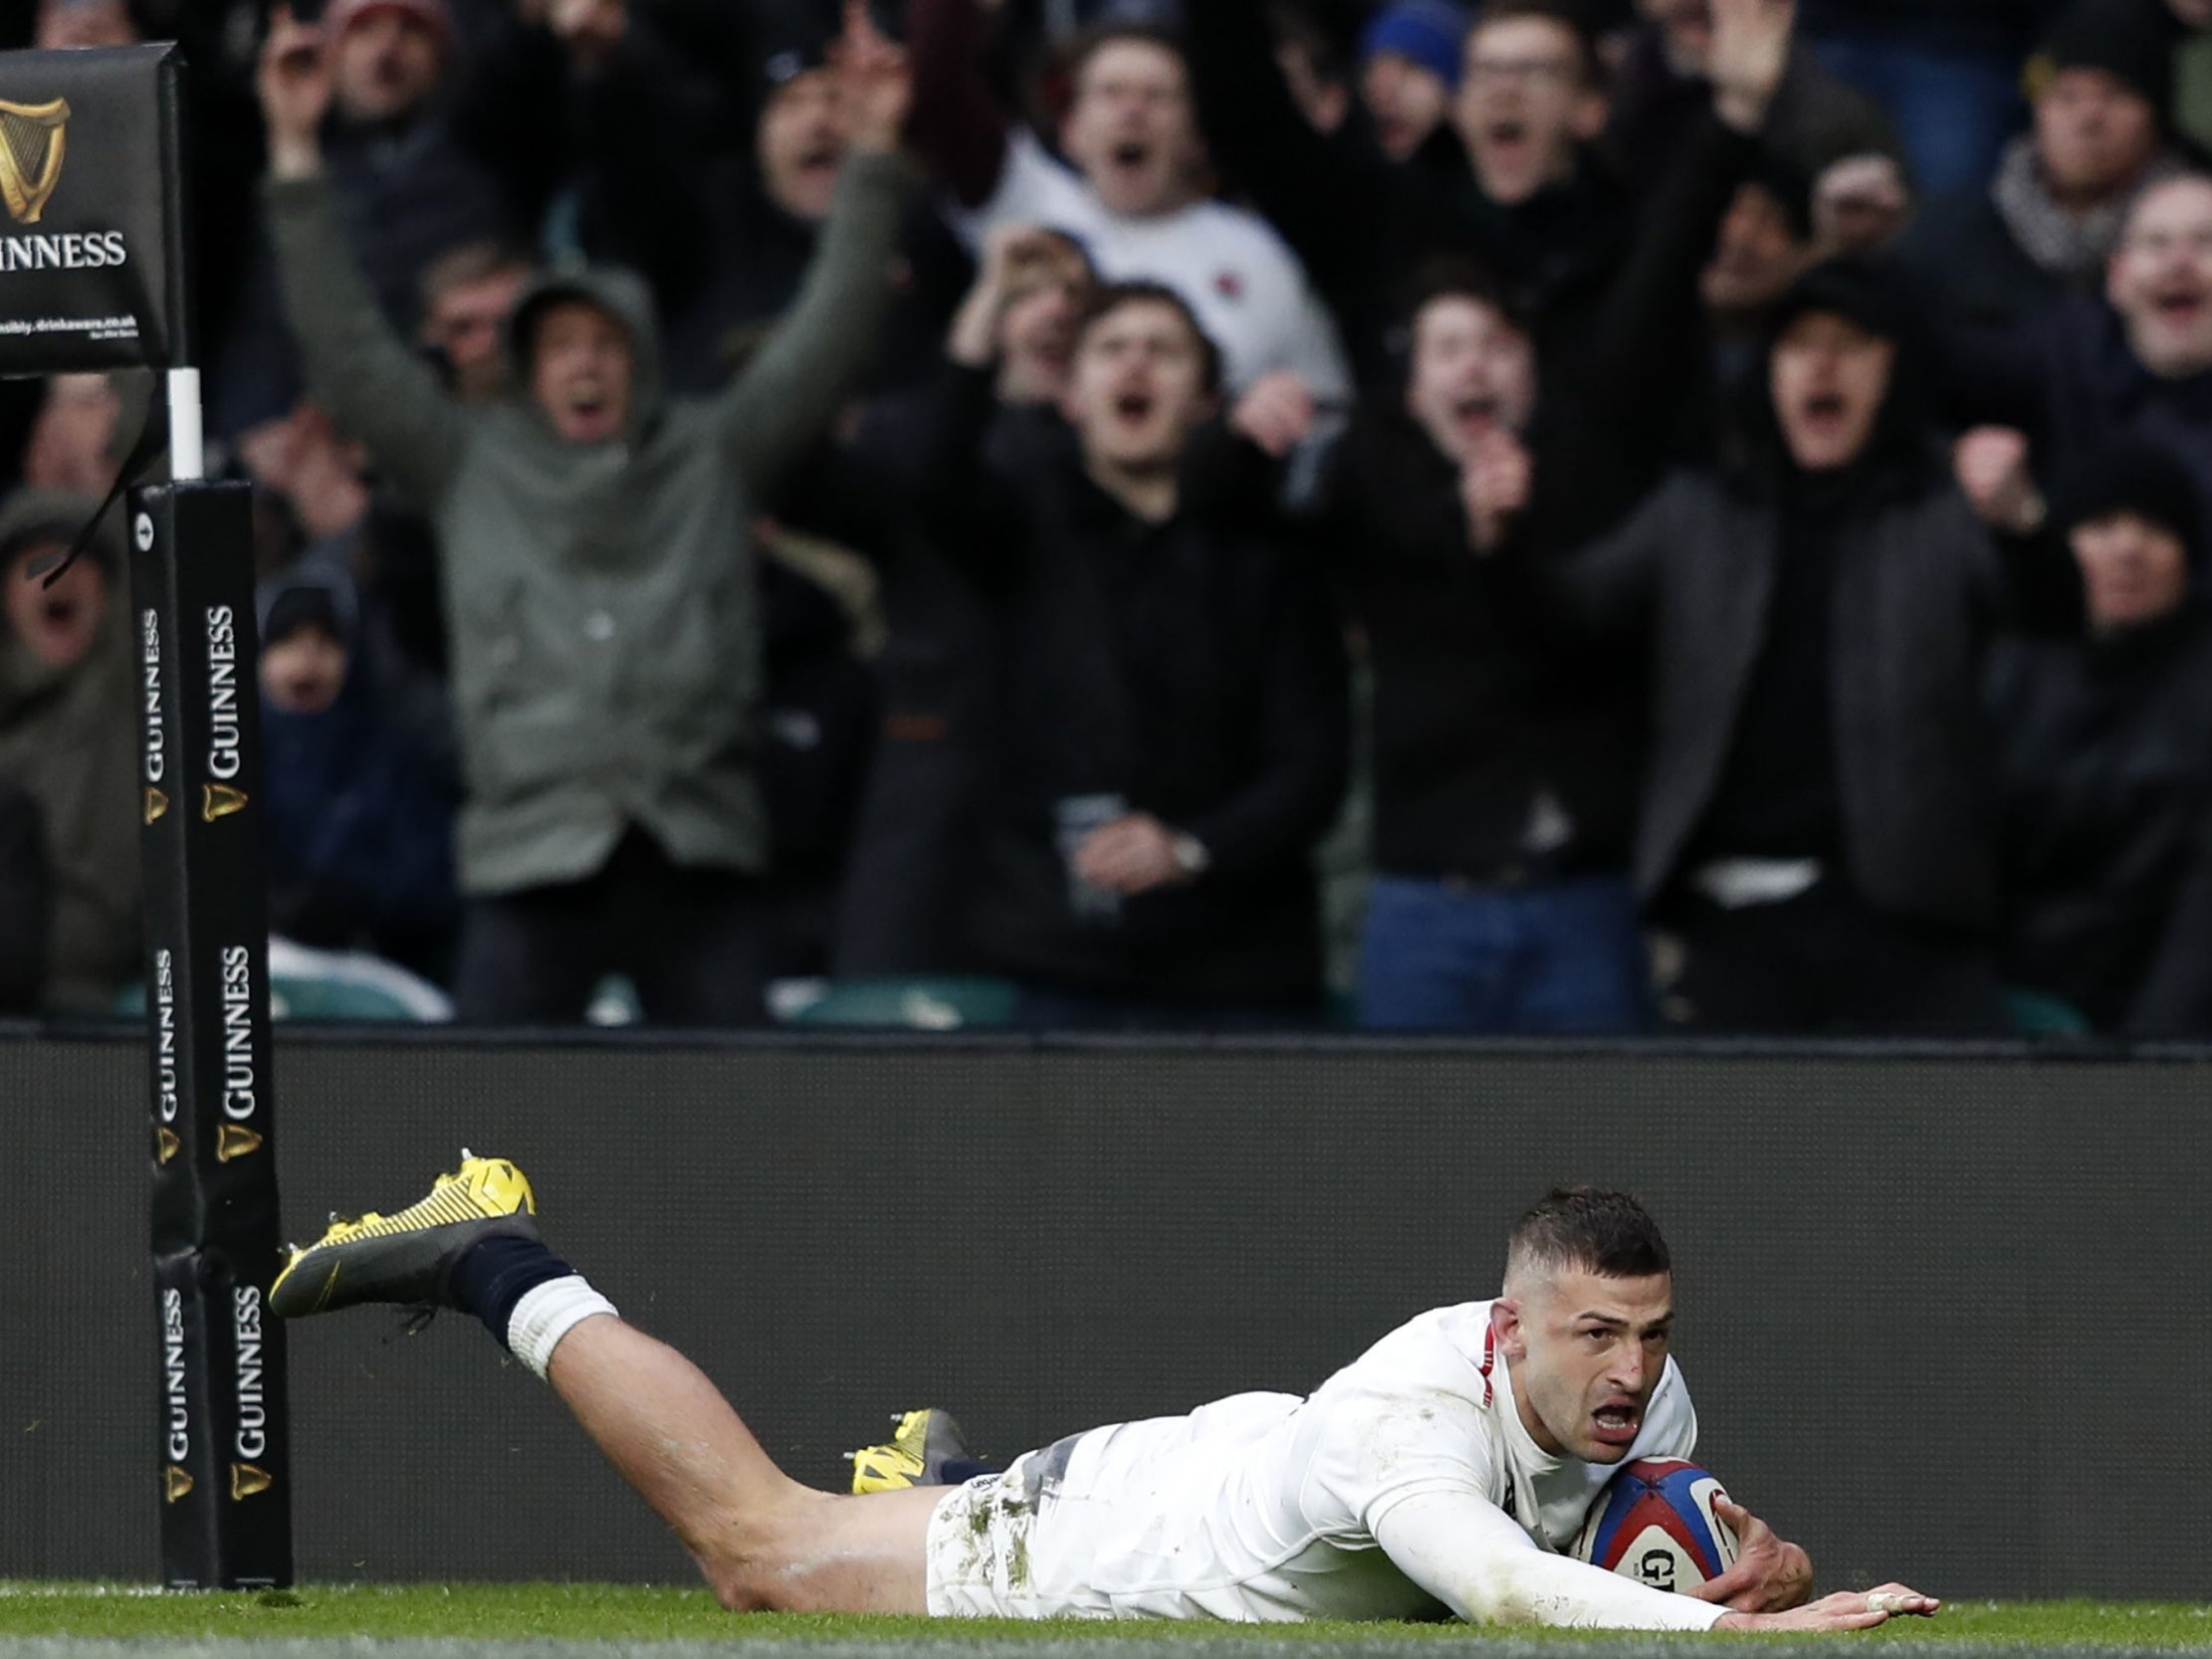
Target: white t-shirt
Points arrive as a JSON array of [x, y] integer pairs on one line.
[[1245, 286], [1404, 1485]]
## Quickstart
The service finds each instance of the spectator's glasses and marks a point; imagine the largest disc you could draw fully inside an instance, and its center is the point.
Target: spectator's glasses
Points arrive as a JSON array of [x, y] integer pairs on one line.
[[1522, 71]]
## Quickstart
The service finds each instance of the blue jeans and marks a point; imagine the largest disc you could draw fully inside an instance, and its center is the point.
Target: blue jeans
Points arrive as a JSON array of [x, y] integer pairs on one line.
[[1564, 956], [1953, 109]]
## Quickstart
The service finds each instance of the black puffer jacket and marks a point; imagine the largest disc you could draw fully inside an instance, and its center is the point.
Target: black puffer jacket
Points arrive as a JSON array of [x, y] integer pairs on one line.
[[1191, 670], [2108, 845]]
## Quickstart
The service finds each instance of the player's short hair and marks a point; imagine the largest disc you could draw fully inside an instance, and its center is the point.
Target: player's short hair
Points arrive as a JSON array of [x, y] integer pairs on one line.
[[1593, 1228], [1108, 297]]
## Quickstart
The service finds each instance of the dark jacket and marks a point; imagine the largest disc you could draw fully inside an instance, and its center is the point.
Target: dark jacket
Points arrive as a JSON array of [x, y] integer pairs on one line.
[[358, 807], [24, 899], [70, 737], [1961, 247], [1483, 710], [2069, 378], [2106, 769], [1815, 120], [723, 260], [605, 628], [1917, 589], [1190, 670], [914, 855], [1363, 225]]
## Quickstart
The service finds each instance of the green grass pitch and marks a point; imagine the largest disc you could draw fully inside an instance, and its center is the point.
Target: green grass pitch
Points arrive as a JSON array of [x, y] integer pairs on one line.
[[585, 1621]]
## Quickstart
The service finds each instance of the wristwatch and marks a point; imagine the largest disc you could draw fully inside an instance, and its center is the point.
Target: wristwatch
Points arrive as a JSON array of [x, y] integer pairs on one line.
[[1191, 856]]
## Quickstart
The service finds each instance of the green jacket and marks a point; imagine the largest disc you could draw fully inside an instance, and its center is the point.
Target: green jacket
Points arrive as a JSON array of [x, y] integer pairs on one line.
[[69, 738], [605, 633]]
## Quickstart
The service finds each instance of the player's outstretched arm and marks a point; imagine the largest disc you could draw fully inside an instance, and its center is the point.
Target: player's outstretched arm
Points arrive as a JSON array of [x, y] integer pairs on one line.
[[1471, 1556], [1844, 1610], [1770, 1576]]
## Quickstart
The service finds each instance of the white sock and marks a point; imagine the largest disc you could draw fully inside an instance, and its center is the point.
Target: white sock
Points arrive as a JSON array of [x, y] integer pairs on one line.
[[549, 1312]]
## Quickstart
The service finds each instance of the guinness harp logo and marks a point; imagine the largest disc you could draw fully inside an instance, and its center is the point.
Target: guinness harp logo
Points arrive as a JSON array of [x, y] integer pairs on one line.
[[33, 139], [175, 1483], [246, 1481], [156, 804], [235, 1140], [166, 1143], [220, 800]]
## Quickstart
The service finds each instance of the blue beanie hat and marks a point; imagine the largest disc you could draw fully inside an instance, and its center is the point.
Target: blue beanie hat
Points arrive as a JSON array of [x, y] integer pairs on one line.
[[1431, 33]]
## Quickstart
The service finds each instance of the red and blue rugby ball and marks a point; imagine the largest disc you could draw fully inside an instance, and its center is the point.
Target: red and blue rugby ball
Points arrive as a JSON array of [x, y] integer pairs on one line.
[[1655, 1522]]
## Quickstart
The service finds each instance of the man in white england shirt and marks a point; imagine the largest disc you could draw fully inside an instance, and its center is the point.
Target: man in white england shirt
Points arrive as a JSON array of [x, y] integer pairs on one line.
[[1441, 1472], [1135, 188]]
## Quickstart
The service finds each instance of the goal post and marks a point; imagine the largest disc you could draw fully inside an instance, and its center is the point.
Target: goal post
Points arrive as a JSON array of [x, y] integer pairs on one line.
[[94, 275]]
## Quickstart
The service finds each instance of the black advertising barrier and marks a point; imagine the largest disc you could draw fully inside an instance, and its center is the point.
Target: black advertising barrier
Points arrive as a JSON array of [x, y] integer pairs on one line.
[[91, 211], [94, 255], [225, 1464]]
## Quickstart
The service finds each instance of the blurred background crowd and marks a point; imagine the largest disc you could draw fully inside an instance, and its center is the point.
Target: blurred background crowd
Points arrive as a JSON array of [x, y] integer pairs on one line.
[[1548, 516]]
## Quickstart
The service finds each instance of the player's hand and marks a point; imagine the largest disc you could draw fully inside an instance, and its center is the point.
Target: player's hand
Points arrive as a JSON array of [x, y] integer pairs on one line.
[[1130, 855], [1750, 47], [1769, 1575], [875, 84], [1494, 487], [293, 81], [1276, 413], [1992, 467], [1844, 1610]]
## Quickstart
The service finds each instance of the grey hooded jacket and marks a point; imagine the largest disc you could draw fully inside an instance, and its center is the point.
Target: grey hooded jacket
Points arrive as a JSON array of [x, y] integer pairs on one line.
[[606, 651]]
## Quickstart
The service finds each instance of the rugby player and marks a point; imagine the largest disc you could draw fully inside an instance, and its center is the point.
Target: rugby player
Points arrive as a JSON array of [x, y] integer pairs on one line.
[[1440, 1472]]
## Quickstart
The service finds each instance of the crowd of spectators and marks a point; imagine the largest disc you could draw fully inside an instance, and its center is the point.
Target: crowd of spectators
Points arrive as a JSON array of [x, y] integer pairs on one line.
[[1695, 511]]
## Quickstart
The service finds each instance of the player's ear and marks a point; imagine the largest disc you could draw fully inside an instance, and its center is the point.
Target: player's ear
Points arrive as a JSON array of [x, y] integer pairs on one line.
[[1505, 1325]]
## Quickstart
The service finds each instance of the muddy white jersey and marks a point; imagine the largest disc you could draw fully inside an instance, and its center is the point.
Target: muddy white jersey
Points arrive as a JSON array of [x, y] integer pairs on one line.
[[1404, 1485]]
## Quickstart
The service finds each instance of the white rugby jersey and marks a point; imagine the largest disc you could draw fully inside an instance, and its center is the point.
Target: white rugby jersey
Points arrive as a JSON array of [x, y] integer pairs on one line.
[[1239, 277], [1405, 1486]]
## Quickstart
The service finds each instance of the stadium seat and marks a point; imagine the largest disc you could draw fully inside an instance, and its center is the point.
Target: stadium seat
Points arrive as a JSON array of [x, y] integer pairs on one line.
[[2037, 1015], [348, 986], [918, 1003]]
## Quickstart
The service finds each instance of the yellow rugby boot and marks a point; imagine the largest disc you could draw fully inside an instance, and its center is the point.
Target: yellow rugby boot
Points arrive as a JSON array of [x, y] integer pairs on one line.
[[407, 1257], [920, 1446]]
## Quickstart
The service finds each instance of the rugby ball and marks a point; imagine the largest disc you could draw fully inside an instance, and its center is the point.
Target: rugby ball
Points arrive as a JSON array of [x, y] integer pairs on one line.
[[1654, 1523]]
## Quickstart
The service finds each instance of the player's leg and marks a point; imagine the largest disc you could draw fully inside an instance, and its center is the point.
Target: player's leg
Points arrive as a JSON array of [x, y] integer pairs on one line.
[[761, 1539]]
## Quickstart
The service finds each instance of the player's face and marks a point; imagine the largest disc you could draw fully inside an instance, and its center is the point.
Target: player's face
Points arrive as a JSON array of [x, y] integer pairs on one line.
[[1586, 1351]]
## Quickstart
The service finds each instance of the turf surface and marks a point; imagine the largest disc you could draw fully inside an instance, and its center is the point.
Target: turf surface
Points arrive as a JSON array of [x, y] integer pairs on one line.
[[582, 1621]]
